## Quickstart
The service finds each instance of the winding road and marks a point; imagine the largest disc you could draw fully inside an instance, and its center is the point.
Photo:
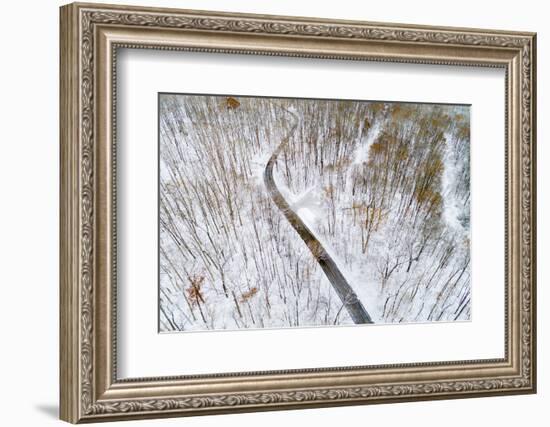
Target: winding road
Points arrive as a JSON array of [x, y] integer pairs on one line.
[[343, 289]]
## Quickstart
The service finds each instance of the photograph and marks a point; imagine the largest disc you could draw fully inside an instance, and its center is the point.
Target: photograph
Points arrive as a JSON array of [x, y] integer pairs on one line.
[[291, 212], [267, 209]]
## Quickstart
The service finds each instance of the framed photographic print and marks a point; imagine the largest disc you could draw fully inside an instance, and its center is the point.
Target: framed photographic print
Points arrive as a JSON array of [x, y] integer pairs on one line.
[[266, 212]]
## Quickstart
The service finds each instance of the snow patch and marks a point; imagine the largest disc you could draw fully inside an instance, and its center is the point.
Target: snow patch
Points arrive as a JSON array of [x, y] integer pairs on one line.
[[363, 147], [452, 208]]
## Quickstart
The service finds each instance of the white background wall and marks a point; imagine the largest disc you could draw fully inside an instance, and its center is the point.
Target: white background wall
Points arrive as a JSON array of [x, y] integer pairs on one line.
[[29, 170]]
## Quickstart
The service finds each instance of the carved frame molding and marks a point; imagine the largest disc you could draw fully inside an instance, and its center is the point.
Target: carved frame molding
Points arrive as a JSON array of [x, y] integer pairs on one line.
[[90, 36]]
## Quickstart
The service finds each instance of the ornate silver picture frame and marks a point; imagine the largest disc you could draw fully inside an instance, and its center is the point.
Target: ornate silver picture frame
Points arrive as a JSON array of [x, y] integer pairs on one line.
[[92, 36]]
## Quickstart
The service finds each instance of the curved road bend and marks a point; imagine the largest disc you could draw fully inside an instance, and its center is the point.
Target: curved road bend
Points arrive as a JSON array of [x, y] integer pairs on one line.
[[343, 289]]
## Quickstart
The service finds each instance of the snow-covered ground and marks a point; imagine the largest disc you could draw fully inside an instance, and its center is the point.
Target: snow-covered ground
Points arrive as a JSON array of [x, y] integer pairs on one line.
[[383, 186]]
